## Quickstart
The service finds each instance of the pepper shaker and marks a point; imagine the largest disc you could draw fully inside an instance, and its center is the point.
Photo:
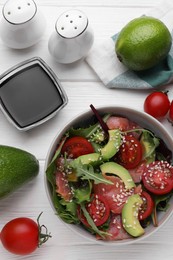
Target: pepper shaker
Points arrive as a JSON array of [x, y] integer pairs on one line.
[[22, 24], [72, 38]]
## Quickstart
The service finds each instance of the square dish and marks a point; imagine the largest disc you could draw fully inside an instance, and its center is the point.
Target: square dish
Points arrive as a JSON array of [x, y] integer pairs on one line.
[[30, 94]]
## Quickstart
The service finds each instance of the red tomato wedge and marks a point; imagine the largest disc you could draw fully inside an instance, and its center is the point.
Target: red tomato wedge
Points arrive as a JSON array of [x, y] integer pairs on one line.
[[158, 177], [76, 146], [130, 153], [147, 206], [98, 209]]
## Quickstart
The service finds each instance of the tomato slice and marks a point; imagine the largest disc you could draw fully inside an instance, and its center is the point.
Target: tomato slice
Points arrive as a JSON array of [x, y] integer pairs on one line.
[[130, 153], [158, 177], [76, 146], [98, 209], [147, 206]]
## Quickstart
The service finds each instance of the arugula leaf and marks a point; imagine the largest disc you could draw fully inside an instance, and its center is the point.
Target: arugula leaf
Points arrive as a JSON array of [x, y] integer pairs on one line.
[[58, 151], [65, 210], [51, 176], [70, 211], [149, 143], [161, 203], [83, 194], [86, 172], [87, 132], [91, 222], [96, 145], [164, 150], [52, 166]]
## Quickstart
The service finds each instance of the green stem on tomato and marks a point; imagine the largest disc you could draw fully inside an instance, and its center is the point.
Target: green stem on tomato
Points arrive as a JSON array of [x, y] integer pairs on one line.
[[42, 238]]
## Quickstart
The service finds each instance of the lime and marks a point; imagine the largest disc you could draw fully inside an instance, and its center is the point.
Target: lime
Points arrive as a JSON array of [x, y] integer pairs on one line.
[[143, 43]]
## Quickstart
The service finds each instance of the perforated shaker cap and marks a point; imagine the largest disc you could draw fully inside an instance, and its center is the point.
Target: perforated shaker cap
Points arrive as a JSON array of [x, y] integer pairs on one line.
[[19, 11], [71, 24]]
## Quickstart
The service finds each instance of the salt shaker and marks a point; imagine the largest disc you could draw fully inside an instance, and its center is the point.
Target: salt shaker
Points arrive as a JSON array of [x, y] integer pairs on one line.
[[72, 38], [22, 24]]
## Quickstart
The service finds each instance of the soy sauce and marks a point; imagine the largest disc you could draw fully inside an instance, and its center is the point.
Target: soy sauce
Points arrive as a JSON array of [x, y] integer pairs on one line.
[[29, 96]]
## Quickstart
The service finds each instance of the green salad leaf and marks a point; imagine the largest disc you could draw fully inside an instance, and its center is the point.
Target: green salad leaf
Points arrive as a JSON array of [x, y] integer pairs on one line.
[[161, 203], [149, 143], [65, 210], [88, 131], [91, 222], [86, 172], [52, 166], [82, 194], [69, 212]]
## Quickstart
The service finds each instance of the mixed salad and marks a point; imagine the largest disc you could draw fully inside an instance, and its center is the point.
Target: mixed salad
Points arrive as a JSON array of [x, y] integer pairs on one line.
[[111, 177]]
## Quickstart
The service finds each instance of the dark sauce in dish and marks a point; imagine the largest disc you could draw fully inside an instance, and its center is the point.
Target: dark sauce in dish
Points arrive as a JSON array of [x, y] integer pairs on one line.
[[29, 96]]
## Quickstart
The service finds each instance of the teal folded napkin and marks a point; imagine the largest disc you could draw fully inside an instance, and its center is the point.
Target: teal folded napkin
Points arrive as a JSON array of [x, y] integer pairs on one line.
[[114, 74]]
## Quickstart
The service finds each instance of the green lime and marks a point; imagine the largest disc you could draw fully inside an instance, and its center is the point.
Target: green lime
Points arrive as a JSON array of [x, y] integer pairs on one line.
[[143, 43]]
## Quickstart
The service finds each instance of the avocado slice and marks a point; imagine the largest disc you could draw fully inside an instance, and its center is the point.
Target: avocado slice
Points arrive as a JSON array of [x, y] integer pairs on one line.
[[149, 144], [130, 216], [112, 147], [120, 171], [90, 158], [105, 153]]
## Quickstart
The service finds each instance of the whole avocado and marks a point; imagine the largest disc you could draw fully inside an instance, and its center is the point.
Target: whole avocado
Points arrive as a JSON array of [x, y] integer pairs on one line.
[[16, 168]]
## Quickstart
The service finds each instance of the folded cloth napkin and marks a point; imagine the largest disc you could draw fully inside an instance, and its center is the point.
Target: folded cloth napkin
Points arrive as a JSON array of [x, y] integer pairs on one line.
[[114, 74]]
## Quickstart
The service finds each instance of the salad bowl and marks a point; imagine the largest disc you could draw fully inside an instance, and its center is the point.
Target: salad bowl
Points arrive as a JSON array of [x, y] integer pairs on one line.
[[86, 119]]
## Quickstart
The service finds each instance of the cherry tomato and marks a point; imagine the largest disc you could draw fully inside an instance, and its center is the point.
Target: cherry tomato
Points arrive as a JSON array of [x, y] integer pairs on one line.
[[76, 146], [147, 206], [130, 153], [158, 177], [21, 236], [157, 104], [171, 112], [98, 209]]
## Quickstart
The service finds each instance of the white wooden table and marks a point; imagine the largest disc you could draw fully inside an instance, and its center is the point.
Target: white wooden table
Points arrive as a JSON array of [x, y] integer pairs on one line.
[[83, 87]]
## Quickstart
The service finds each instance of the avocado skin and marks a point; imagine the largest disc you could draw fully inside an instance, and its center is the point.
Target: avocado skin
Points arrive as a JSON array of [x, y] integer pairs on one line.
[[16, 168]]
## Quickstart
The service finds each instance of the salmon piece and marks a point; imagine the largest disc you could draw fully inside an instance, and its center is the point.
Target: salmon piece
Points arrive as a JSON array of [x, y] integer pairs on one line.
[[115, 230], [121, 123], [62, 186]]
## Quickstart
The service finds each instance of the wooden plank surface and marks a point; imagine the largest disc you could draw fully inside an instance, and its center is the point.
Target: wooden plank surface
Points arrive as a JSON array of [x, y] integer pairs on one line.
[[83, 87]]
